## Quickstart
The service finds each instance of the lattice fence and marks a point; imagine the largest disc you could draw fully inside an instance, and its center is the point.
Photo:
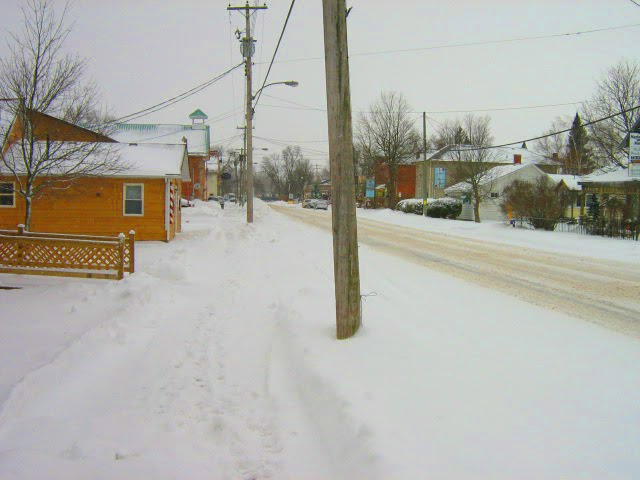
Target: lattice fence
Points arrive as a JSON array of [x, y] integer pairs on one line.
[[66, 255]]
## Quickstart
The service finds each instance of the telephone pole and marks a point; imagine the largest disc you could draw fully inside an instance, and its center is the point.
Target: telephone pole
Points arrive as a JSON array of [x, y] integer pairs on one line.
[[343, 199], [425, 194], [248, 47]]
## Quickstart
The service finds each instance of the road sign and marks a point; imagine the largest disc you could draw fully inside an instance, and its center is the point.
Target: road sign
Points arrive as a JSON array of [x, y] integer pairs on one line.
[[634, 154], [634, 147], [225, 176]]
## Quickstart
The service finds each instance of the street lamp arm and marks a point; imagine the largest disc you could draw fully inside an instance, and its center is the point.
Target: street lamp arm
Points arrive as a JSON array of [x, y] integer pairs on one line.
[[288, 83]]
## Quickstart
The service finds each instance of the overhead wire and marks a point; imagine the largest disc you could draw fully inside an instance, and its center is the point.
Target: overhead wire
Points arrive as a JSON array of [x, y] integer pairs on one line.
[[525, 107], [284, 27], [233, 82], [552, 134], [472, 44], [175, 99]]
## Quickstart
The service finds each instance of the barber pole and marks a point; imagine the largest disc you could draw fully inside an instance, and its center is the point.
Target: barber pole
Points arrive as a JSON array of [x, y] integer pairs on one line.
[[171, 203]]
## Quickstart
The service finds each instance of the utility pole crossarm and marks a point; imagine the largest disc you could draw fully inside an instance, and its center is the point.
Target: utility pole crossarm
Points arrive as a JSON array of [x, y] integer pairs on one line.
[[248, 7]]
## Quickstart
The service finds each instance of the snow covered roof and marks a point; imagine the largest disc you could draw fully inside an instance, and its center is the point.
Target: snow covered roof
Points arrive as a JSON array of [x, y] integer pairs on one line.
[[154, 160], [607, 175], [490, 176], [197, 136], [137, 160], [571, 181], [506, 154], [495, 155]]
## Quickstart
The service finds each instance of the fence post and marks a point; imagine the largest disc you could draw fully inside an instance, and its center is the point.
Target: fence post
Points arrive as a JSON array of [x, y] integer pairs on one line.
[[132, 251], [20, 246], [121, 256]]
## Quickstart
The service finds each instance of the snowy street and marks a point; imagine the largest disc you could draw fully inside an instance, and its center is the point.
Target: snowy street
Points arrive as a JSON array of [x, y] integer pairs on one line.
[[217, 360], [602, 291]]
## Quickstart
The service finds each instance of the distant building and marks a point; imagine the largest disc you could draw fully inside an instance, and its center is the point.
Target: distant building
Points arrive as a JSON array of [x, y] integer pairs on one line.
[[492, 187], [436, 174], [197, 137]]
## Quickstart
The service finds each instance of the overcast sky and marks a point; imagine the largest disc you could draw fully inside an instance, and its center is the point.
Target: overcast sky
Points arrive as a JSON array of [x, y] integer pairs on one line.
[[143, 52]]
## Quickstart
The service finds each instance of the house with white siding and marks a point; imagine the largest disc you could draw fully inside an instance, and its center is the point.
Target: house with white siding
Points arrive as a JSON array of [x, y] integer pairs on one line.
[[493, 185]]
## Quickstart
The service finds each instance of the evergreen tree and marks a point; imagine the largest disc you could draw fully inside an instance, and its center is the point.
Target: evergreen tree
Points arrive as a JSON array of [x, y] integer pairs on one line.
[[579, 156]]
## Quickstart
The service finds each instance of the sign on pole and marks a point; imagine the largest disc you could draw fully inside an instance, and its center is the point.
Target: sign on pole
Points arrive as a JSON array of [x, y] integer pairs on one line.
[[634, 154]]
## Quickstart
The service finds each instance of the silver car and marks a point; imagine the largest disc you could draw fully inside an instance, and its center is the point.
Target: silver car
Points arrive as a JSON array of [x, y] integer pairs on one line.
[[320, 204]]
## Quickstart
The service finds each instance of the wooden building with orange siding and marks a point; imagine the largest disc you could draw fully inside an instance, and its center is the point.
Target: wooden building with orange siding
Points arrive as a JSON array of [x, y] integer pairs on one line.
[[145, 197]]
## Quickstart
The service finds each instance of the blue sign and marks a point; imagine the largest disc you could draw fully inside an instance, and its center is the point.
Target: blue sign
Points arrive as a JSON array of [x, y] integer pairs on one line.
[[370, 193], [371, 183]]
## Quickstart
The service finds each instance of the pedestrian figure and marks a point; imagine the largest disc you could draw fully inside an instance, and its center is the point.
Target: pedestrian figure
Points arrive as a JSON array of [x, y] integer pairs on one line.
[[222, 203]]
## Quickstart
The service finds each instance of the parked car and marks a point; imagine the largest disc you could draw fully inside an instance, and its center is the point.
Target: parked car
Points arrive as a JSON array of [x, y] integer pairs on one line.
[[213, 198], [308, 202], [320, 204], [186, 203]]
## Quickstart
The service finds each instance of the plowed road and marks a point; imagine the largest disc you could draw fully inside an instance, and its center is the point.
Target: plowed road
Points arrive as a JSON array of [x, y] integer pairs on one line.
[[601, 291]]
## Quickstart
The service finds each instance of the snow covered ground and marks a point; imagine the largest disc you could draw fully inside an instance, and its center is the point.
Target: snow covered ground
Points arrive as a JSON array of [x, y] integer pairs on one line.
[[217, 359]]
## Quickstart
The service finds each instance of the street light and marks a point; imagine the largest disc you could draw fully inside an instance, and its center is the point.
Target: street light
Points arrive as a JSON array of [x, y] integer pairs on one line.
[[249, 136], [288, 83]]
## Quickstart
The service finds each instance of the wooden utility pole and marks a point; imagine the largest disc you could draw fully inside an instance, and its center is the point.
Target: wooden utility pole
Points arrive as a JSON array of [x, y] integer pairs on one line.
[[343, 199], [248, 47], [425, 193]]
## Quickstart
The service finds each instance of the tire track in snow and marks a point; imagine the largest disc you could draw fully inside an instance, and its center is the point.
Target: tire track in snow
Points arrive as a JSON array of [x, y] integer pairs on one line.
[[603, 292]]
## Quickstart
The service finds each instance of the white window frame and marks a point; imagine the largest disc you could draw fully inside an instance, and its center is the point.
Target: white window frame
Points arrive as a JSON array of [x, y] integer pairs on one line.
[[124, 199], [13, 205]]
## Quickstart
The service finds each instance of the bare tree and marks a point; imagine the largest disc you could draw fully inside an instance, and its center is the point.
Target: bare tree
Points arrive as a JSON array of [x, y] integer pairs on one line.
[[618, 90], [297, 169], [470, 159], [289, 172], [44, 81], [387, 133], [272, 169], [553, 147]]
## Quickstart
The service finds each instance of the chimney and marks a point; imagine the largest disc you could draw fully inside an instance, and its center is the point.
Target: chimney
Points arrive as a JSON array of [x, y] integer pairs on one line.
[[517, 159], [554, 157]]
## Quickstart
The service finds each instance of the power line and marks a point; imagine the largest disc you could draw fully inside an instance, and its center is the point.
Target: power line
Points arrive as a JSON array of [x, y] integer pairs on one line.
[[593, 122], [275, 52], [525, 107], [284, 144], [175, 99], [472, 44]]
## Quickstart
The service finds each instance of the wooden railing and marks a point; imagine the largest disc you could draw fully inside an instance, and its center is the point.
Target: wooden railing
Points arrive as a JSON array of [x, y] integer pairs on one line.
[[36, 253]]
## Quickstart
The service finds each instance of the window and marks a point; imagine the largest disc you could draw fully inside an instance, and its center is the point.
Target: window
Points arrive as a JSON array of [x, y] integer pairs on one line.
[[495, 195], [439, 177], [7, 195], [133, 199]]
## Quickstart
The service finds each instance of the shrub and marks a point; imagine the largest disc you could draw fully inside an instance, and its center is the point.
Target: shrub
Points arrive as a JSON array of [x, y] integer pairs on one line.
[[436, 208], [539, 203], [444, 208], [410, 205]]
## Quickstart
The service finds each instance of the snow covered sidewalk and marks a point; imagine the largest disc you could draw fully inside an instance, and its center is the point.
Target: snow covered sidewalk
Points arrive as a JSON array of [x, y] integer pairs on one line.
[[218, 360]]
